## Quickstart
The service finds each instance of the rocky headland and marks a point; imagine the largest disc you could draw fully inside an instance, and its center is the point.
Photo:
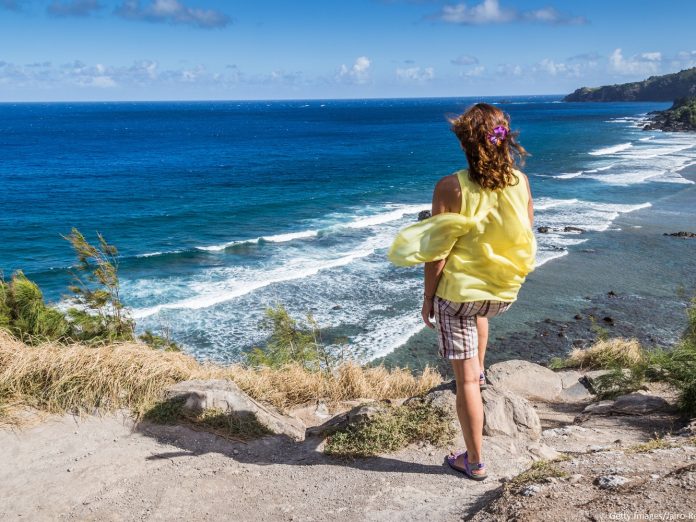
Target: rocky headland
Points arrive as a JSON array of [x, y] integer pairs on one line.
[[678, 87]]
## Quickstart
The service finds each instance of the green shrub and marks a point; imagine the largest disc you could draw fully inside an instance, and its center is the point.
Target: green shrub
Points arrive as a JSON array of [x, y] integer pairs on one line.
[[292, 343], [417, 421], [24, 313]]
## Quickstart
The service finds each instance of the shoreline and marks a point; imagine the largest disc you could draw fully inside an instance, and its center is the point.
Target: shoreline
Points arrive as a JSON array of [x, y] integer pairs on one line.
[[543, 324]]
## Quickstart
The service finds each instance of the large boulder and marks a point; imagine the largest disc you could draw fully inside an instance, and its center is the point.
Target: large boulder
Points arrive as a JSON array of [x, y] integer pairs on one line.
[[637, 403], [228, 397], [536, 382], [504, 412], [525, 378]]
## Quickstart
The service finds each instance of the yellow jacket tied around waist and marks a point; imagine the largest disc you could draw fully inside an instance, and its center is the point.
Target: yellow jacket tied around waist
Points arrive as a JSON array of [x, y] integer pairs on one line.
[[490, 246]]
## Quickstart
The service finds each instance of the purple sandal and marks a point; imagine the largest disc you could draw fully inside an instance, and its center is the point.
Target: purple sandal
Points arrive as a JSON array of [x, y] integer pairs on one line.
[[468, 469]]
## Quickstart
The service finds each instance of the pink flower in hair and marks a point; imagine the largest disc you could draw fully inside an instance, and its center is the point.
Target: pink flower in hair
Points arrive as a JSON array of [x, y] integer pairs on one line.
[[498, 135]]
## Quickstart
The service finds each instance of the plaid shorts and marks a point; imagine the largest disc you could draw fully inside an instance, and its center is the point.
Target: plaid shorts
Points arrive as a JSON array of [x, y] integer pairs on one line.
[[456, 325]]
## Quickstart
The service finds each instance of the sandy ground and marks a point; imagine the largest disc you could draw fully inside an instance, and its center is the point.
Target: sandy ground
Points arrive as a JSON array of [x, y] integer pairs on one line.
[[105, 468], [102, 468]]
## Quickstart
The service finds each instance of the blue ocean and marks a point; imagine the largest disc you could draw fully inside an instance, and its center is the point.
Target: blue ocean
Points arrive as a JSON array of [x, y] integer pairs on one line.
[[220, 209]]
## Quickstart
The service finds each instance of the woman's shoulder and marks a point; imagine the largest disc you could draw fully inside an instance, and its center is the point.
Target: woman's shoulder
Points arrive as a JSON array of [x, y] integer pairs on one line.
[[447, 193]]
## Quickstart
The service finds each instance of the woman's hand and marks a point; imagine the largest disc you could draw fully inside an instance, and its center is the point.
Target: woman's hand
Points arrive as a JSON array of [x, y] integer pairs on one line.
[[427, 312]]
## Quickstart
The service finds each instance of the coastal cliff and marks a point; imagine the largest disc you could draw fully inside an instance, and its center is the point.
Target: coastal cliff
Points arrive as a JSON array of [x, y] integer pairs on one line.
[[681, 116], [656, 88]]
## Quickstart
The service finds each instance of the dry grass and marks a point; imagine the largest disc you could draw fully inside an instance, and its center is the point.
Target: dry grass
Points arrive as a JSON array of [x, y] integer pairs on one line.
[[652, 444], [79, 378], [393, 429], [611, 353], [538, 472]]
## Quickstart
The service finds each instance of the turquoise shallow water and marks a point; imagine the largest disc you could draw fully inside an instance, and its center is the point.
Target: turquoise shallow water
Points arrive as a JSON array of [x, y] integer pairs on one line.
[[220, 209]]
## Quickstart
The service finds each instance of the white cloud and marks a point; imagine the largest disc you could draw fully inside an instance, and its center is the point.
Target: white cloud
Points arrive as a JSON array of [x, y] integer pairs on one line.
[[490, 12], [474, 72], [173, 12], [416, 74], [487, 12], [509, 69], [646, 63], [684, 60], [359, 72], [464, 59]]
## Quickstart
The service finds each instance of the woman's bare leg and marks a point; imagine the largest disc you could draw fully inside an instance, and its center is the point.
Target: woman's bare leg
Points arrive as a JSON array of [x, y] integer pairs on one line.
[[482, 329], [469, 406]]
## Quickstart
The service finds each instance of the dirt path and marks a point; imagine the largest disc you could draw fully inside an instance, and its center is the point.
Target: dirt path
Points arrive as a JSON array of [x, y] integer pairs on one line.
[[102, 469]]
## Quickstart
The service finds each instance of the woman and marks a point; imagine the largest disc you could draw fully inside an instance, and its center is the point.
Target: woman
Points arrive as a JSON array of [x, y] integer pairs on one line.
[[478, 247]]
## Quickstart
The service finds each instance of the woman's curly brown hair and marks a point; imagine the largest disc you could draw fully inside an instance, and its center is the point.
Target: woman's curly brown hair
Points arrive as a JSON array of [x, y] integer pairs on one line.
[[491, 162]]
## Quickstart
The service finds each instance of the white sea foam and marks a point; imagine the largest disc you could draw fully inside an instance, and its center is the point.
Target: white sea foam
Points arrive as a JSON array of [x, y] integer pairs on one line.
[[357, 222], [611, 150], [569, 175], [544, 257], [544, 203], [209, 293], [387, 334]]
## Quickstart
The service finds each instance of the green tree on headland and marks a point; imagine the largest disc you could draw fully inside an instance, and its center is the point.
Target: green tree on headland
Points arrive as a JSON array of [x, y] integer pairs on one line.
[[97, 314]]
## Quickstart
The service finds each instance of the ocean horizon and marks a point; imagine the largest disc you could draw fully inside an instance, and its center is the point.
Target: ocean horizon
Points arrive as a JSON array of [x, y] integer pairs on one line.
[[220, 209]]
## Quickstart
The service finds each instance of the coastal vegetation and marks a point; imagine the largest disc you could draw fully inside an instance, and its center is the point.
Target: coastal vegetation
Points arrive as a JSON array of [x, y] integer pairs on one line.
[[96, 314], [681, 116], [393, 429], [631, 365], [667, 87]]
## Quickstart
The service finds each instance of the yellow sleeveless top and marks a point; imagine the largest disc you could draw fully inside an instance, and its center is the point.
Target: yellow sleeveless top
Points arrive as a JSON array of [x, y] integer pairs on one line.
[[489, 245]]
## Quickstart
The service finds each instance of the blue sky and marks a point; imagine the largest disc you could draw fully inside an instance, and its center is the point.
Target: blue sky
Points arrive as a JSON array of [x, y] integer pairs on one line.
[[202, 49]]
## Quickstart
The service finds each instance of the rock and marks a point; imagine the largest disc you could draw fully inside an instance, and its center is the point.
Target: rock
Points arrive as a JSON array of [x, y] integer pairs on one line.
[[226, 395], [365, 413], [681, 234], [563, 431], [543, 230], [575, 478], [599, 407], [689, 430], [578, 317], [527, 379], [640, 404], [542, 452], [508, 414], [573, 229], [596, 448], [424, 214], [611, 293], [504, 413], [610, 481], [589, 379], [531, 490]]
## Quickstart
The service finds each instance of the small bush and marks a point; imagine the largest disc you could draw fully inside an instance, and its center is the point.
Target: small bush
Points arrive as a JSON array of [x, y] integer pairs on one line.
[[417, 421], [241, 426], [605, 354], [540, 470], [24, 313], [652, 444], [291, 342]]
